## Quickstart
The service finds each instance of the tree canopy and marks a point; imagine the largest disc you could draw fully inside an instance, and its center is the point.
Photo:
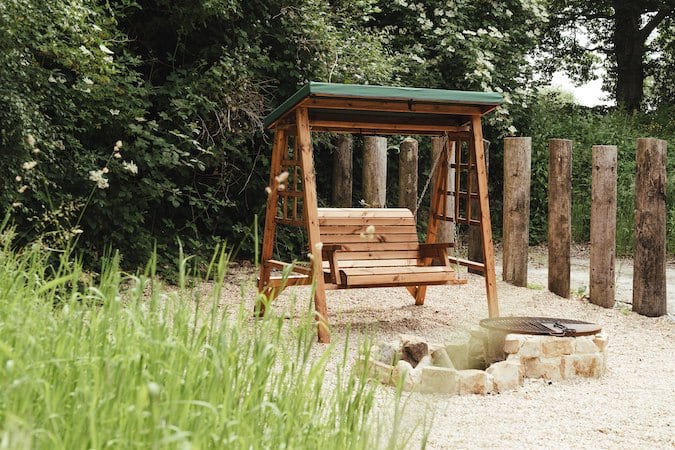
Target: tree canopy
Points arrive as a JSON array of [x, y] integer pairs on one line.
[[617, 34], [143, 118]]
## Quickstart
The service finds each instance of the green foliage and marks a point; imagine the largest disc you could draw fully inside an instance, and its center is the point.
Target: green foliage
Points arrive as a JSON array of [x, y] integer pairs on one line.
[[126, 363], [549, 118]]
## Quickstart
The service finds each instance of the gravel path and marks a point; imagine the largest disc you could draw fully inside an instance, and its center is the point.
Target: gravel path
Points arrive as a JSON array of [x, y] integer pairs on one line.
[[632, 406]]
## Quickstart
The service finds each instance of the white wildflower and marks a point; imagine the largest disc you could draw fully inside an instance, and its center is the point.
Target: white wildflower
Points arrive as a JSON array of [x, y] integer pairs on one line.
[[117, 155], [108, 59], [36, 151], [30, 140], [17, 204], [118, 145], [512, 130], [22, 189], [87, 80], [153, 389], [18, 179], [140, 119], [268, 190], [77, 230], [106, 50], [85, 50], [283, 176], [60, 145], [114, 112], [105, 170], [97, 177], [51, 79], [130, 167], [29, 165]]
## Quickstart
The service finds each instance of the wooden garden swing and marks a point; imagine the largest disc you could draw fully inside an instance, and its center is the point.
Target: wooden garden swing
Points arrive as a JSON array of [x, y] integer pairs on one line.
[[370, 247]]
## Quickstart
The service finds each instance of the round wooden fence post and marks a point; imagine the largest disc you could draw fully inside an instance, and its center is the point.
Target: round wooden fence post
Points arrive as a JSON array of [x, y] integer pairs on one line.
[[649, 273], [446, 230], [375, 171], [603, 226], [517, 167], [342, 172], [559, 215], [407, 174]]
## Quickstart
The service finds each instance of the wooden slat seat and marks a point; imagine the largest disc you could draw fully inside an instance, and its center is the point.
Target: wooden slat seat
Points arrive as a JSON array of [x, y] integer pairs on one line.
[[376, 247]]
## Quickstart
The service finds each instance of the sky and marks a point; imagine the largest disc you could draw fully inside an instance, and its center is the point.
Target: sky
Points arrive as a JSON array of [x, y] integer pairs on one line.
[[590, 94]]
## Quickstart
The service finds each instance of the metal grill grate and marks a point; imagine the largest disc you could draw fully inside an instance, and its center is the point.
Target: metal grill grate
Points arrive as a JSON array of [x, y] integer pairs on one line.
[[541, 325]]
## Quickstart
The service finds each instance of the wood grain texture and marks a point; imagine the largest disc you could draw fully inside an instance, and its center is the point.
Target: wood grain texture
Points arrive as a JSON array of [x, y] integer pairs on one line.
[[374, 180], [559, 216], [603, 226], [649, 277], [517, 171]]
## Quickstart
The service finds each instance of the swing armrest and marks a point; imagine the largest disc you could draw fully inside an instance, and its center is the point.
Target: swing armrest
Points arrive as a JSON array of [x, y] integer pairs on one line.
[[330, 253], [436, 251]]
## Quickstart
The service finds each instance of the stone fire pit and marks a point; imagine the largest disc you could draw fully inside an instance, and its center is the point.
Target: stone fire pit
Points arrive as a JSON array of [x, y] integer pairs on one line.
[[485, 362]]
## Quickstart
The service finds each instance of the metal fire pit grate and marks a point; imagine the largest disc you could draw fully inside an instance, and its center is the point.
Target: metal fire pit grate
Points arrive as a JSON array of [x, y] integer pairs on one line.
[[541, 325]]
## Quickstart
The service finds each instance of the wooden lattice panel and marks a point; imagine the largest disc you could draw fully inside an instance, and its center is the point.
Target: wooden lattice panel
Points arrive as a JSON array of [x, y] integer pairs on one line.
[[290, 207]]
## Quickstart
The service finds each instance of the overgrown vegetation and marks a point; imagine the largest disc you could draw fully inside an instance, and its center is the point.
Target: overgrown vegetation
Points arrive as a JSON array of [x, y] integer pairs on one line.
[[130, 123], [124, 362]]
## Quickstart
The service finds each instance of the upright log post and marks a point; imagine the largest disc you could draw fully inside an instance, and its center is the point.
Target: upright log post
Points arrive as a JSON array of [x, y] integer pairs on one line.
[[342, 171], [474, 241], [559, 216], [603, 226], [649, 276], [446, 230], [517, 168], [407, 175], [375, 171]]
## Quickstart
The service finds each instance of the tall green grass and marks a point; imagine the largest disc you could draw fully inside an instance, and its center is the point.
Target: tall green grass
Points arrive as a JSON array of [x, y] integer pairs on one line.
[[127, 363]]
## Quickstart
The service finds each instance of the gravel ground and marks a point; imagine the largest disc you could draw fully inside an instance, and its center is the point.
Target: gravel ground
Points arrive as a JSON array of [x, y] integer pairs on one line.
[[631, 406]]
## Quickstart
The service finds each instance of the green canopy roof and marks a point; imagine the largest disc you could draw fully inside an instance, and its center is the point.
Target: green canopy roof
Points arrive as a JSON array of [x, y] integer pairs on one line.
[[483, 101]]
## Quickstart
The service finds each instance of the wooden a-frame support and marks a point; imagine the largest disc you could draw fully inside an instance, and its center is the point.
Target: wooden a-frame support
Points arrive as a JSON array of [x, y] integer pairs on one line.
[[299, 124]]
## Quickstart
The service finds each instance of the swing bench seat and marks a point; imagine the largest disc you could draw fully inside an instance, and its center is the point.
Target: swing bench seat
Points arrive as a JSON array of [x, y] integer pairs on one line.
[[379, 247]]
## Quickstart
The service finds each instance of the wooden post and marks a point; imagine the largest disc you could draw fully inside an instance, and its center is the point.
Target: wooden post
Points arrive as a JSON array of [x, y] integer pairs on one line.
[[485, 222], [649, 273], [407, 175], [310, 205], [517, 168], [474, 241], [446, 230], [436, 205], [342, 171], [559, 216], [603, 226], [375, 171], [278, 149]]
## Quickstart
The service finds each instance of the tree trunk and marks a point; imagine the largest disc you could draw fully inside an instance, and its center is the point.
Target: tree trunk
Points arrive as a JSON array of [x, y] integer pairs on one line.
[[629, 51]]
